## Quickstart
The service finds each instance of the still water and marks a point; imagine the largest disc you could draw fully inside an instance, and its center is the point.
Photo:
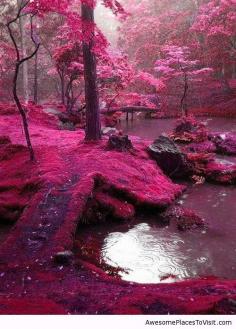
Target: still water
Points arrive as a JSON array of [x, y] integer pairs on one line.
[[151, 129], [151, 253]]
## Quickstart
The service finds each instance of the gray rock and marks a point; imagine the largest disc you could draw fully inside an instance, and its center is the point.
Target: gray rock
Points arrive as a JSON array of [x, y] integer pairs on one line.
[[63, 257], [109, 131], [169, 157]]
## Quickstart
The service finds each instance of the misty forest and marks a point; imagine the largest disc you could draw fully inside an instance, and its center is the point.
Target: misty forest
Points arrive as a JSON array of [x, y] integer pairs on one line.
[[117, 157]]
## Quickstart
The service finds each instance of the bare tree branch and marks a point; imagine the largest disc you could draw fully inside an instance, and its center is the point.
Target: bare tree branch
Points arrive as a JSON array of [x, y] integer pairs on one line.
[[19, 62]]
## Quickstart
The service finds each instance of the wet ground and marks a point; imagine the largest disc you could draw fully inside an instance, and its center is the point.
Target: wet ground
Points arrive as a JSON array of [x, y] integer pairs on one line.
[[151, 253]]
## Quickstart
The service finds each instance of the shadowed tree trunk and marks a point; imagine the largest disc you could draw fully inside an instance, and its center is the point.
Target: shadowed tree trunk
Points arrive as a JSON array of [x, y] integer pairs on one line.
[[93, 123], [20, 61], [23, 49], [224, 82], [62, 82], [36, 79], [183, 105], [183, 99], [36, 62]]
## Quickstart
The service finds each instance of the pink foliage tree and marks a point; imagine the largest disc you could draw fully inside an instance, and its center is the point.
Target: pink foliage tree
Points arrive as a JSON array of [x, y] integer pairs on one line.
[[177, 64], [81, 27], [69, 66], [216, 26], [115, 74]]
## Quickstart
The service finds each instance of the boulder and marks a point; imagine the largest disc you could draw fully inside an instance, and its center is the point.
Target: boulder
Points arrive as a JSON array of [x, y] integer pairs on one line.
[[107, 131], [185, 219], [202, 147], [213, 169], [67, 126], [220, 172], [225, 143], [186, 124], [188, 130], [63, 257], [119, 143], [169, 157]]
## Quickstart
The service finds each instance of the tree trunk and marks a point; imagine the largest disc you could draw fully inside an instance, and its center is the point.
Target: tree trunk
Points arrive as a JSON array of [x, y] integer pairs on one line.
[[234, 70], [20, 61], [22, 113], [23, 49], [93, 123], [183, 99], [224, 82], [62, 78], [36, 79]]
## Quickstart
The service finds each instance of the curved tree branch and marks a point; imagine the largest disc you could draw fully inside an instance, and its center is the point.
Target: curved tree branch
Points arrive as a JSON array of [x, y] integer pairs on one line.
[[18, 63]]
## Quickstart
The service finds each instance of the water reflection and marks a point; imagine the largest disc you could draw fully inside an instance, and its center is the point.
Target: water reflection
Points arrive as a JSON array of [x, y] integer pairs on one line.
[[151, 253], [151, 129]]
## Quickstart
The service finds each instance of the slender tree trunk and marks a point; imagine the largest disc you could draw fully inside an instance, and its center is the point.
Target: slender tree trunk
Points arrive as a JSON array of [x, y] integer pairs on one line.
[[93, 123], [36, 79], [22, 113], [224, 82], [62, 78], [18, 63], [234, 70], [23, 49], [183, 99]]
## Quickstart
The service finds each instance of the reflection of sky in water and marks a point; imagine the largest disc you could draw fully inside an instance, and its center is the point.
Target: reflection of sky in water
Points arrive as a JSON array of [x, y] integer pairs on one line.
[[227, 160], [148, 258], [151, 253]]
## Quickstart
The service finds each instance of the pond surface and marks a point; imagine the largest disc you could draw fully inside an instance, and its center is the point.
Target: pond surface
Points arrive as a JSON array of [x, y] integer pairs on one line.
[[152, 253], [151, 129]]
